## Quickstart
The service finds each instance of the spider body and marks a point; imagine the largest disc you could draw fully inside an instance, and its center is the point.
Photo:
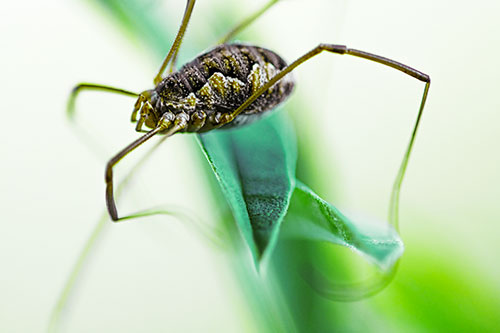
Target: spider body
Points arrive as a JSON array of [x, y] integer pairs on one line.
[[210, 87]]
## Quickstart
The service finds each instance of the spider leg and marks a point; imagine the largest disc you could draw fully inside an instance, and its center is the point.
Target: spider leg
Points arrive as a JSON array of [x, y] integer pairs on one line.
[[172, 53], [180, 123], [238, 28], [342, 49], [94, 145], [70, 106]]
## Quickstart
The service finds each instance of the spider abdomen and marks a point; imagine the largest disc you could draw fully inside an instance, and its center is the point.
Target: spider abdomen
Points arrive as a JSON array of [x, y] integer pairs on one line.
[[218, 81]]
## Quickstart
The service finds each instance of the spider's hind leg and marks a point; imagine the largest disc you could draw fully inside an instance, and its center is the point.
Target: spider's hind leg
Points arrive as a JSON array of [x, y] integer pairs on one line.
[[178, 123], [342, 49], [70, 106], [174, 49]]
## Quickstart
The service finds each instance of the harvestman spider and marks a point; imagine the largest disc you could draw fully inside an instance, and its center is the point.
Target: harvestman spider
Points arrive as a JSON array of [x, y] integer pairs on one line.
[[231, 85]]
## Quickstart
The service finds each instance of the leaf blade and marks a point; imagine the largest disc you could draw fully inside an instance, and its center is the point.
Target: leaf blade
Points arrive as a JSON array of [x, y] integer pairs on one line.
[[255, 166]]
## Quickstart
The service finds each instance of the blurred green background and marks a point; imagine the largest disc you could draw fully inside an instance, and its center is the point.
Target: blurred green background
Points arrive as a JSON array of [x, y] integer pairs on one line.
[[161, 274]]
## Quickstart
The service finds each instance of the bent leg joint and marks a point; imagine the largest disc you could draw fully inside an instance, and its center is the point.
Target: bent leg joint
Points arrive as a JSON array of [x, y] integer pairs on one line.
[[340, 49]]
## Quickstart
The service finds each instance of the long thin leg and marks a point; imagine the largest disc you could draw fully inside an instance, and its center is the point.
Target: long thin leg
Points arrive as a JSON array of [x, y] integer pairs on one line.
[[396, 187], [341, 49], [70, 107], [172, 53], [246, 22], [179, 124]]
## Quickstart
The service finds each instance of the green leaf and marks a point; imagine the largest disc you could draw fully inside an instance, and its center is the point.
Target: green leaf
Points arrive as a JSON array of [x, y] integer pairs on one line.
[[255, 166], [313, 218]]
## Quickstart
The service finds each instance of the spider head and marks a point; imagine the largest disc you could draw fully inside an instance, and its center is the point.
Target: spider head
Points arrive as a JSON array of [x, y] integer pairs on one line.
[[145, 107]]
